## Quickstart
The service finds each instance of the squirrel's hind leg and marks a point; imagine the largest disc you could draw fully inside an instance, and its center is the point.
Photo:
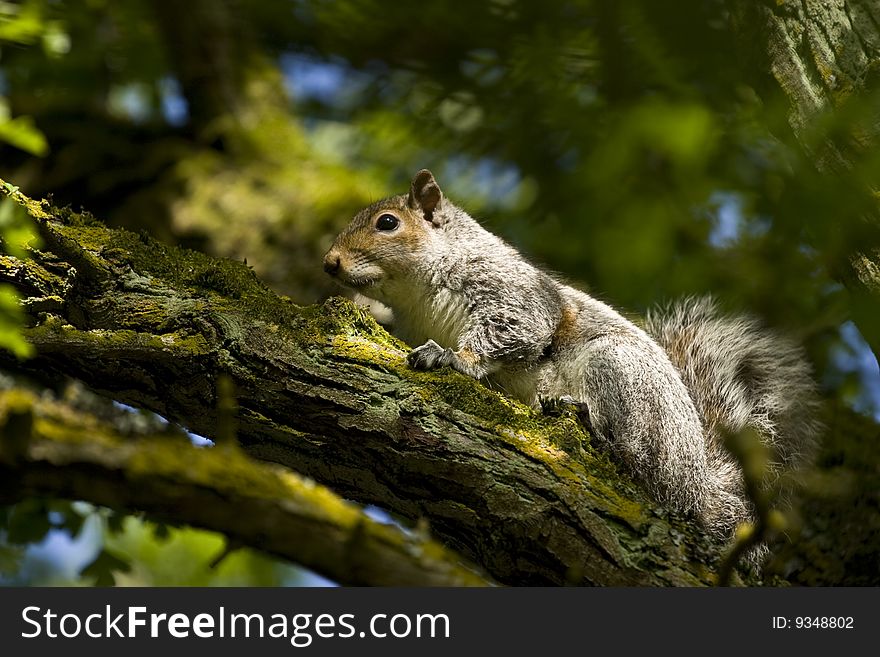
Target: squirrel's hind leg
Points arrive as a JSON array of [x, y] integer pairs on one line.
[[556, 406]]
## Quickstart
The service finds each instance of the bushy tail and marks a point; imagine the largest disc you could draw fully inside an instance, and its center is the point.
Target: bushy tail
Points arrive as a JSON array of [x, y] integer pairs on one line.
[[740, 375]]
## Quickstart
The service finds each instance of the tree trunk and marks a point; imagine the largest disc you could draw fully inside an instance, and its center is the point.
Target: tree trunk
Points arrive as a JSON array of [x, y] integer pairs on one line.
[[822, 56], [225, 77]]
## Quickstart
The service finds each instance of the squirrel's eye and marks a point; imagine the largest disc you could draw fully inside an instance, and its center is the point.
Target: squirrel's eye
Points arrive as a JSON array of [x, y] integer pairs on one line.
[[387, 222]]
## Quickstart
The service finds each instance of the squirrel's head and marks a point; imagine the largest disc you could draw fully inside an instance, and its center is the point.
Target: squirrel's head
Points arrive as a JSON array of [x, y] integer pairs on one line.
[[388, 239]]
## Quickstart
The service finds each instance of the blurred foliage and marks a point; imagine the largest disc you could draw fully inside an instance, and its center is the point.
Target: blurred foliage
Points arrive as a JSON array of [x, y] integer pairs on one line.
[[77, 544], [30, 522], [634, 147], [166, 556], [20, 24], [17, 232], [25, 24]]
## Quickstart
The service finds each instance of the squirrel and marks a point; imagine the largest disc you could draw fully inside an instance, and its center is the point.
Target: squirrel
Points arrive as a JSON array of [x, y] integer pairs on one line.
[[662, 398]]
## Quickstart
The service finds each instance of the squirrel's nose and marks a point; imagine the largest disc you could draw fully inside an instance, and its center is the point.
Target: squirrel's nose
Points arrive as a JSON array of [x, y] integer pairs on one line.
[[331, 263]]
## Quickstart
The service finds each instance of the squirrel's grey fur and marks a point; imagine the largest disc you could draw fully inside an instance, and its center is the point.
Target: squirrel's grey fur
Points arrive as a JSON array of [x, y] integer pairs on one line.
[[662, 399]]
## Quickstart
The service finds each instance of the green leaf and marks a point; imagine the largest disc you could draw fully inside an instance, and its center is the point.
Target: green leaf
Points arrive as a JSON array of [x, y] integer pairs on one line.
[[17, 229], [71, 519], [161, 532], [22, 133], [10, 559], [115, 522], [28, 522], [21, 23], [11, 322], [104, 566]]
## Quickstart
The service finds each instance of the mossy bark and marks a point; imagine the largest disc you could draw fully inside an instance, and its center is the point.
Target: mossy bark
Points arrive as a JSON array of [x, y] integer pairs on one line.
[[52, 448], [326, 392]]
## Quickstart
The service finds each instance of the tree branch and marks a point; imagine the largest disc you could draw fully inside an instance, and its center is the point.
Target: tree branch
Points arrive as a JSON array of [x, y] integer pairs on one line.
[[49, 448], [325, 391]]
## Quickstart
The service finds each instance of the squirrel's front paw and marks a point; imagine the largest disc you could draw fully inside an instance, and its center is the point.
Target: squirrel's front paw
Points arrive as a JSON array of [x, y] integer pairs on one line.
[[427, 357]]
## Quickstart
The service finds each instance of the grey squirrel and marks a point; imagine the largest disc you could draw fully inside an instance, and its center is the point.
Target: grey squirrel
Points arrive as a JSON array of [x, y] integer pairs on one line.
[[662, 398]]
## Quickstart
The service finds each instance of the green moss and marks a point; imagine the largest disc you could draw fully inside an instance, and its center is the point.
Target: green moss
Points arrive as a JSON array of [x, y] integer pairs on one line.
[[32, 274], [220, 280], [339, 316], [86, 240], [65, 432], [147, 311], [68, 217], [117, 342], [35, 209], [362, 350]]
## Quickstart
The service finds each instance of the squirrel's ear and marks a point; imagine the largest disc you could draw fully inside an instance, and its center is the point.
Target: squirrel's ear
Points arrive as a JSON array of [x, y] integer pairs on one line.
[[425, 195]]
